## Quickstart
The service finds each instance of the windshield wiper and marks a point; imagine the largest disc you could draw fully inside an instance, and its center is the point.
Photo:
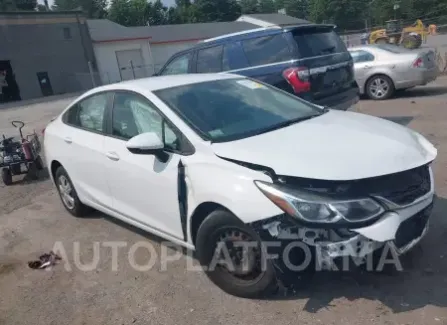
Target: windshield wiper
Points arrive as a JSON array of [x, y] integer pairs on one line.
[[287, 123]]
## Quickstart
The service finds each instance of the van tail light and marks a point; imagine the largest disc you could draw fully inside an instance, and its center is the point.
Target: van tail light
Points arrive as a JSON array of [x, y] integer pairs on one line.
[[418, 63], [298, 78]]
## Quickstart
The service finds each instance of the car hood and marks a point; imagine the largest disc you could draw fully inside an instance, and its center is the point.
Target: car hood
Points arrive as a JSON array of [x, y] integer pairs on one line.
[[334, 146]]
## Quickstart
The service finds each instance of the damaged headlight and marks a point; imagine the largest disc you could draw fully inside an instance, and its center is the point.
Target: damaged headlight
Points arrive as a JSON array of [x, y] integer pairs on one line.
[[314, 207]]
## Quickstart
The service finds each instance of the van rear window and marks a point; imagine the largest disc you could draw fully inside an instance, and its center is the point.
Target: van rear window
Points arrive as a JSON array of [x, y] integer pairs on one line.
[[268, 49], [317, 41]]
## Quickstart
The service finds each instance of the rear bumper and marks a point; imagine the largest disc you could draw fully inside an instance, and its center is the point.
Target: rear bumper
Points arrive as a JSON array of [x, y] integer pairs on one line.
[[418, 78], [342, 101]]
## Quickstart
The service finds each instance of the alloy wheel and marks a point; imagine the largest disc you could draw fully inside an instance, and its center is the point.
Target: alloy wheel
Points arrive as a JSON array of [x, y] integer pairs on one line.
[[379, 88], [66, 191]]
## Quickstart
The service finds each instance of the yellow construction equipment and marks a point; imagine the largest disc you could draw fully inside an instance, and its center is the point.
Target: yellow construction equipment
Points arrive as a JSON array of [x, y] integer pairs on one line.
[[410, 37]]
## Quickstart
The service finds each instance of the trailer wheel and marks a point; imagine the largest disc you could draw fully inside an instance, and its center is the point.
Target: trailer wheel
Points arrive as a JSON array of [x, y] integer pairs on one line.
[[33, 171], [39, 163], [6, 176]]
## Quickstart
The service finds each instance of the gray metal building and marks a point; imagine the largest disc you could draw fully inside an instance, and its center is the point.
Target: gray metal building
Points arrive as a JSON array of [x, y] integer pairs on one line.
[[43, 54]]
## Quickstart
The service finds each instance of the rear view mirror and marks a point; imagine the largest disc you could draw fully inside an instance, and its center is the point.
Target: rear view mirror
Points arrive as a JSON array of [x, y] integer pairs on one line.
[[147, 144]]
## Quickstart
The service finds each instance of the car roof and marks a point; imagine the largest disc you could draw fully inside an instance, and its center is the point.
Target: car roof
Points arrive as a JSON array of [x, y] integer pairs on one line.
[[247, 34], [162, 82]]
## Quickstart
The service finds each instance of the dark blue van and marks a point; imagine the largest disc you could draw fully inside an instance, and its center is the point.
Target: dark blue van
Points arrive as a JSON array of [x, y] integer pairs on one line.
[[308, 60]]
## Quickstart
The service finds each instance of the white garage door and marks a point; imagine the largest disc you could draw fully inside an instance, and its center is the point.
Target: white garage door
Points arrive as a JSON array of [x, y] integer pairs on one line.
[[131, 64]]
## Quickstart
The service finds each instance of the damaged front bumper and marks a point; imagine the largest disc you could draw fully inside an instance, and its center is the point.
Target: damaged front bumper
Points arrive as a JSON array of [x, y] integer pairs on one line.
[[401, 227]]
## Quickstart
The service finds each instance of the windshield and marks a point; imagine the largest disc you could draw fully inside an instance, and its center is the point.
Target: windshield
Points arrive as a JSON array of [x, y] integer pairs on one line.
[[231, 109], [393, 48]]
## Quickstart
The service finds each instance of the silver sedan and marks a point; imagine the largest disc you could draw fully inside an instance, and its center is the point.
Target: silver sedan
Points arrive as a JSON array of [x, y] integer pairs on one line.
[[382, 69]]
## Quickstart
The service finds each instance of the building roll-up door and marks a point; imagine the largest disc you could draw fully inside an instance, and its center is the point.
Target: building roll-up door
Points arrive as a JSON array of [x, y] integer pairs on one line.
[[131, 64]]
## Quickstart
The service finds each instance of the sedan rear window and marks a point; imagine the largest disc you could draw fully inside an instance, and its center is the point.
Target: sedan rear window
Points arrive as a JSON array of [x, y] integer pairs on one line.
[[231, 109], [317, 41]]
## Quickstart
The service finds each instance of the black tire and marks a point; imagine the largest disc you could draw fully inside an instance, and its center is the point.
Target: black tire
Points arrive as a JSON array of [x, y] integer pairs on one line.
[[33, 171], [78, 209], [6, 176], [39, 163], [385, 87], [208, 236]]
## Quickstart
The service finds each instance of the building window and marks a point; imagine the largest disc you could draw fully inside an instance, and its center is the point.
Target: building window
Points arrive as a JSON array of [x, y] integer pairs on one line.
[[67, 33]]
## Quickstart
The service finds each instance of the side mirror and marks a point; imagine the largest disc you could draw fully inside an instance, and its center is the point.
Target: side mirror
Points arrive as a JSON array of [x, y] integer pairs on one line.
[[147, 144]]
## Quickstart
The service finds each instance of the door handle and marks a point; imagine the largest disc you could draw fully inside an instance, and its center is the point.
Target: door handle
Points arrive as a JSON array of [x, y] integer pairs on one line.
[[68, 140], [112, 156], [367, 67]]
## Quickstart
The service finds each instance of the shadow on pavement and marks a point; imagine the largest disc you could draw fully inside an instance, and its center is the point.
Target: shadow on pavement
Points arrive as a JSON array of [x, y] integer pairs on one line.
[[423, 91], [402, 120], [422, 282]]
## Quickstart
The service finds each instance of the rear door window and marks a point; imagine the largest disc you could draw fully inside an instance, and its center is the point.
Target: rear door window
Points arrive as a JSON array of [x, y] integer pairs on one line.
[[268, 49], [361, 56], [210, 59], [317, 41]]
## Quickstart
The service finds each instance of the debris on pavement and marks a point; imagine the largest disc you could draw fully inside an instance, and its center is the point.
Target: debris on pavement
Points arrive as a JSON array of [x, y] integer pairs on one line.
[[45, 260]]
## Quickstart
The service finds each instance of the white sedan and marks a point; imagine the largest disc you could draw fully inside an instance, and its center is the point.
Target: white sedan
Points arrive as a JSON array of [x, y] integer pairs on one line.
[[224, 165]]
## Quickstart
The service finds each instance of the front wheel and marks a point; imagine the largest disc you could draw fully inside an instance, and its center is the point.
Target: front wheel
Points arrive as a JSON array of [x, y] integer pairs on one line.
[[379, 87], [232, 256], [6, 176]]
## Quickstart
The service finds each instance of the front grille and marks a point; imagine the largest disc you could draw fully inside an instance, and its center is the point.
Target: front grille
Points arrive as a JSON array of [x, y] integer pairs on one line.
[[412, 228], [404, 188]]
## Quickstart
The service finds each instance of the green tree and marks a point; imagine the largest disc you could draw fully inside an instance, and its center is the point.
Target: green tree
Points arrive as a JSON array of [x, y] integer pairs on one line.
[[217, 10], [297, 8], [249, 6], [26, 5], [267, 6], [120, 12], [92, 8]]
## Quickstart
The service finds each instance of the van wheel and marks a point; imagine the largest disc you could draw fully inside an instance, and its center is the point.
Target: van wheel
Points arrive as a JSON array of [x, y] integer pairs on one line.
[[379, 87], [68, 194], [6, 176], [233, 267]]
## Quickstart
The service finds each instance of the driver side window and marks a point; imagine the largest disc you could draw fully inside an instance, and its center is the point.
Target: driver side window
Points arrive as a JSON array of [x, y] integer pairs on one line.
[[132, 115]]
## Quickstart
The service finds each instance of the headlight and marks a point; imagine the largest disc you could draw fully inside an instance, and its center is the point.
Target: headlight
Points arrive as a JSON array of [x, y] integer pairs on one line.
[[313, 207]]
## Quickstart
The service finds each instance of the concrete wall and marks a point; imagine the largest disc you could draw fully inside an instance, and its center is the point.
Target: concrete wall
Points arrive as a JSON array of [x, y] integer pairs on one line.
[[35, 43], [107, 62]]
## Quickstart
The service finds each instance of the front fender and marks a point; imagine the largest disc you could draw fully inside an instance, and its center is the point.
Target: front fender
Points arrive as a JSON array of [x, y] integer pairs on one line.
[[231, 186]]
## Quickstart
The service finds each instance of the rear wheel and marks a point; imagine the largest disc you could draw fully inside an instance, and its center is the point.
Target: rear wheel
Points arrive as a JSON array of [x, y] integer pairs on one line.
[[379, 87], [236, 268], [6, 176], [68, 194]]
